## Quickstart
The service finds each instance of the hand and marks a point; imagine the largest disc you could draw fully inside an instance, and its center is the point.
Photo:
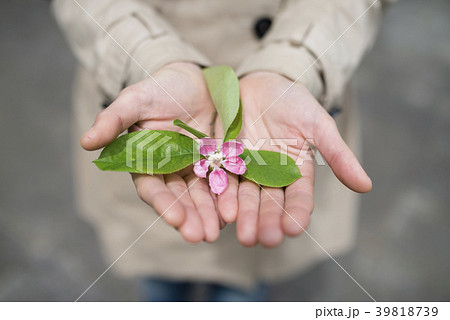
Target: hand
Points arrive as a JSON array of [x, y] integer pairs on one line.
[[146, 105], [266, 215]]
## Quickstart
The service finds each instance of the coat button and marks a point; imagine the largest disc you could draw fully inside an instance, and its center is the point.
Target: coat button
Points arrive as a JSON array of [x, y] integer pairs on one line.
[[261, 27]]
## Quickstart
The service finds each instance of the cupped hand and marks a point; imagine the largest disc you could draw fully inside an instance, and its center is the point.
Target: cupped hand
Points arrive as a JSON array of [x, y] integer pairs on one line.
[[265, 214], [177, 91]]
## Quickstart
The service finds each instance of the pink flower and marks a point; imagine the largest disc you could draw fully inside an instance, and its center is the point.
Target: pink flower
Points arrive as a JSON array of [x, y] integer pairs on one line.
[[227, 156]]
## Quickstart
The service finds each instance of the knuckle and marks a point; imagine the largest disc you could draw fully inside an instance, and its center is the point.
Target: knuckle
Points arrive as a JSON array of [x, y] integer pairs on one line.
[[327, 124], [205, 208], [266, 201], [128, 91], [306, 208], [332, 124], [327, 121], [141, 192], [335, 158], [129, 95], [145, 193], [194, 185], [249, 194], [136, 95], [100, 116], [178, 188], [277, 197], [151, 197]]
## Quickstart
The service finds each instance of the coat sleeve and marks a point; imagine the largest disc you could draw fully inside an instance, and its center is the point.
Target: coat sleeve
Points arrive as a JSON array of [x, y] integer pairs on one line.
[[105, 34], [308, 30]]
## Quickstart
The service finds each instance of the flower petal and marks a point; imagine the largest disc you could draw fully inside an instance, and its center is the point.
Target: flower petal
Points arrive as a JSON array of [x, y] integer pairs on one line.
[[207, 146], [218, 181], [201, 168], [232, 149], [235, 165]]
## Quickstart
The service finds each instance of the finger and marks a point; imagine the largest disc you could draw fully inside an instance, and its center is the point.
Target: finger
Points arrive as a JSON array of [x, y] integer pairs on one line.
[[270, 233], [227, 202], [112, 121], [201, 197], [221, 221], [299, 202], [338, 155], [192, 227], [153, 191], [247, 219]]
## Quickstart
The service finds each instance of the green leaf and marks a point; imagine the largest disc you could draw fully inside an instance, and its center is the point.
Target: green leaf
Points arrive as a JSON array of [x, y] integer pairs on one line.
[[236, 126], [268, 168], [223, 86], [149, 151], [181, 124]]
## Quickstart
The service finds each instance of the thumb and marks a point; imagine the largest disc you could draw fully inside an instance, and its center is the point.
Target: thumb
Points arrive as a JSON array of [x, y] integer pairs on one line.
[[339, 157], [112, 121]]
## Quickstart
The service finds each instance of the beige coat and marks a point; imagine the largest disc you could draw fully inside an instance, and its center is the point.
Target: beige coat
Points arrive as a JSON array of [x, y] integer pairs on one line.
[[157, 32]]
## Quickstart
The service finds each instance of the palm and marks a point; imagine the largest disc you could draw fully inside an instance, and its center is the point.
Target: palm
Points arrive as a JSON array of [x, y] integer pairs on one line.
[[179, 92], [268, 214]]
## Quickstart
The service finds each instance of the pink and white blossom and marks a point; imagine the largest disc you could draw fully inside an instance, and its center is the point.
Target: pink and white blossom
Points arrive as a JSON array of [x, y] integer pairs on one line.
[[227, 156]]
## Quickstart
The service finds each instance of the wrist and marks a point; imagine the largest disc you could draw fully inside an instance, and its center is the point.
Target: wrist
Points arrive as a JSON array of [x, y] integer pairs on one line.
[[296, 64]]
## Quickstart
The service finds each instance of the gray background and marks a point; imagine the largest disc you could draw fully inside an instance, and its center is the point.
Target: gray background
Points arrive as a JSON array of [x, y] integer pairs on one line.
[[48, 253]]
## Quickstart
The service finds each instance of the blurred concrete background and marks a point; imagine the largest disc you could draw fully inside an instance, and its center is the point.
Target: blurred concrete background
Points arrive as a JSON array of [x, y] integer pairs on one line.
[[48, 253]]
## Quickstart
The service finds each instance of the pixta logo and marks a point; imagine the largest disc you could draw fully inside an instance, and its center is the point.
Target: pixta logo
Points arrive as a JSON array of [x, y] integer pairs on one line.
[[147, 143]]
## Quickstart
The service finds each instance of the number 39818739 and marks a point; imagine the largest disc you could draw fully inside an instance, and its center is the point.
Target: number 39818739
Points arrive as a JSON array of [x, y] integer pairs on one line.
[[407, 311]]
